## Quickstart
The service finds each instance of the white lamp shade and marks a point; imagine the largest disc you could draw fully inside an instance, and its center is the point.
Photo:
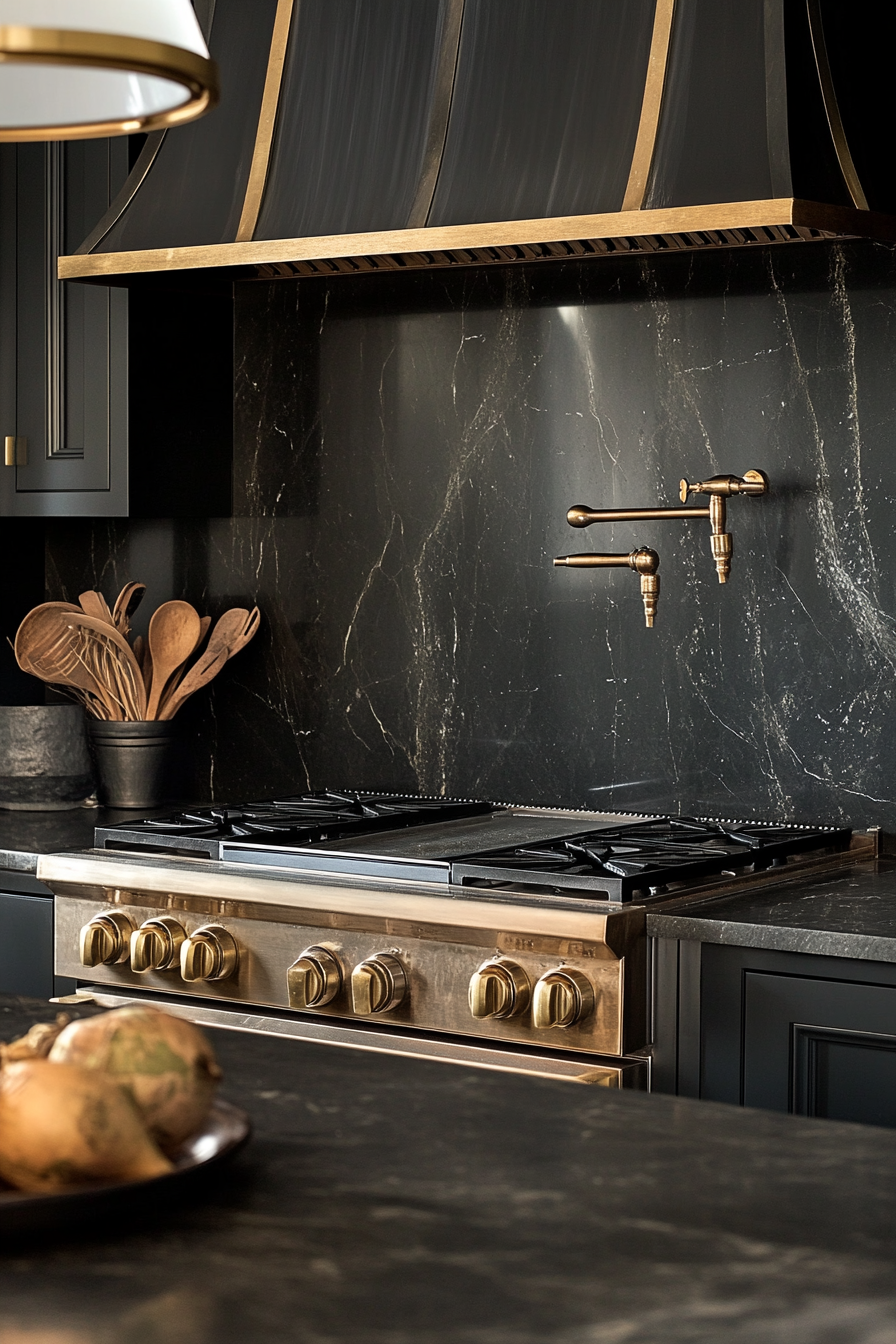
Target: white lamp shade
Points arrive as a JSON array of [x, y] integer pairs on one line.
[[71, 69]]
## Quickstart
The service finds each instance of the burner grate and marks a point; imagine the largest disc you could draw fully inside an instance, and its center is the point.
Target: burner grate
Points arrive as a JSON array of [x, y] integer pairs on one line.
[[299, 819], [643, 858]]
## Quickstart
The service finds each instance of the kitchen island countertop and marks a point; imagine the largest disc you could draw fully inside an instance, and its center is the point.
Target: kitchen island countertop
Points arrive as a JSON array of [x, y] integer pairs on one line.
[[393, 1201]]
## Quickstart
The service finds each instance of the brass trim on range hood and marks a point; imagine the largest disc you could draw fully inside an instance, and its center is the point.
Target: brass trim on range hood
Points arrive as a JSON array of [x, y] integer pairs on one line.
[[684, 228], [267, 120], [783, 218]]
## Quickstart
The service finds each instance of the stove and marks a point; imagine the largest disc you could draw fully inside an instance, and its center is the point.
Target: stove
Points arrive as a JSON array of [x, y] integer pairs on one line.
[[507, 937], [496, 848]]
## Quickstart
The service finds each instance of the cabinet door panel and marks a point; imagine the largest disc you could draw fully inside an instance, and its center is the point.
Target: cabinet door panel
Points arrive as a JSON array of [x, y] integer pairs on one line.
[[820, 1047], [26, 945], [69, 389], [845, 1075]]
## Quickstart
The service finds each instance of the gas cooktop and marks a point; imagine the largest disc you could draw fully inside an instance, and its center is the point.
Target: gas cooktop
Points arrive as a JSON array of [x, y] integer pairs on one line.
[[474, 844], [645, 857], [299, 819]]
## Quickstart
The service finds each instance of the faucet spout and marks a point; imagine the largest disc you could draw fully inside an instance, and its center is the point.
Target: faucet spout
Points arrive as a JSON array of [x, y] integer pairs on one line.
[[643, 561]]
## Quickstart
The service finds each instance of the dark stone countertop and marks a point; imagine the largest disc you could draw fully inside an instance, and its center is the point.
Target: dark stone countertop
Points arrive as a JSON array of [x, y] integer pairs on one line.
[[850, 912], [24, 836], [394, 1201]]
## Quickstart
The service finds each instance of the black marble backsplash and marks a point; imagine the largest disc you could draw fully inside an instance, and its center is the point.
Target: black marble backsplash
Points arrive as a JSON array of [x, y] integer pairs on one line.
[[406, 448]]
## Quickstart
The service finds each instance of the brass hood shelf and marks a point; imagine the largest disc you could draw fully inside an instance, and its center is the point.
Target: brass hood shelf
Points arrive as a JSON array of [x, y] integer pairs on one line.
[[453, 133], [687, 228]]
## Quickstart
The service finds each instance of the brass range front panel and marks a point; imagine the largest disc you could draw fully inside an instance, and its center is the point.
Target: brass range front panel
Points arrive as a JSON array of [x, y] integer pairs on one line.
[[530, 988]]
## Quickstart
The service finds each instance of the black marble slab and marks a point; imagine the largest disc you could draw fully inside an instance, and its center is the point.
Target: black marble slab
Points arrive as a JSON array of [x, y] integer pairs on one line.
[[847, 913], [406, 449], [393, 1201]]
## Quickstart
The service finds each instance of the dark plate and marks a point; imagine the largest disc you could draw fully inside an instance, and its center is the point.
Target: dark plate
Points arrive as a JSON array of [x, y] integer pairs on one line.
[[223, 1134]]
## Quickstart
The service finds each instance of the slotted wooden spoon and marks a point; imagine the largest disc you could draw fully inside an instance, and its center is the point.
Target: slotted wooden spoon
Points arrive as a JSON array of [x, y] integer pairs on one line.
[[49, 648], [114, 662]]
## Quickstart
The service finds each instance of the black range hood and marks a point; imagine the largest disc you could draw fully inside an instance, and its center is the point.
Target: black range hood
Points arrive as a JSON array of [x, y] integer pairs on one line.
[[370, 135]]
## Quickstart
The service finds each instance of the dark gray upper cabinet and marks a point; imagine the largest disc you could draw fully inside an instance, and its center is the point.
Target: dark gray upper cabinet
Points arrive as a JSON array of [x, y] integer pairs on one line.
[[63, 348]]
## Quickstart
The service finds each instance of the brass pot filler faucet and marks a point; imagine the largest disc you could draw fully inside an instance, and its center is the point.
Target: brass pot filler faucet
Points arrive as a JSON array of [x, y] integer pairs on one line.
[[645, 561]]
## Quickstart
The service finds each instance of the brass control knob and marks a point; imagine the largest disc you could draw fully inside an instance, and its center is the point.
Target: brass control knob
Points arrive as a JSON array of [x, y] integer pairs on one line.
[[562, 998], [156, 945], [499, 988], [209, 954], [314, 980], [378, 984], [105, 941]]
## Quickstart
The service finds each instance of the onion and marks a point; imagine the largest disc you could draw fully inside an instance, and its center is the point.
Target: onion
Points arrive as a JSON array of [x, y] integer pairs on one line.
[[61, 1125], [166, 1064], [36, 1043]]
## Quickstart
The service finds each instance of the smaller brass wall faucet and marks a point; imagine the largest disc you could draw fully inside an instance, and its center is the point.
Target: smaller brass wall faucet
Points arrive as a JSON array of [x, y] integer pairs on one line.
[[717, 487], [643, 561]]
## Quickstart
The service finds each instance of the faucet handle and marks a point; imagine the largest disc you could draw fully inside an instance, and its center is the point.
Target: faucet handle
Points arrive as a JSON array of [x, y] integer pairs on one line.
[[751, 483]]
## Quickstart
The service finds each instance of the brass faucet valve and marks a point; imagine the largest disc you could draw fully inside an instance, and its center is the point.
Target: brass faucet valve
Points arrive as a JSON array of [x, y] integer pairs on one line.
[[751, 483], [719, 488], [643, 561]]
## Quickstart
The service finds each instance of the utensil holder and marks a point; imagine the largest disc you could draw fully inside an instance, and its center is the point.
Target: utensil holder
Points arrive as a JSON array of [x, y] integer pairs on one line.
[[132, 761], [44, 763]]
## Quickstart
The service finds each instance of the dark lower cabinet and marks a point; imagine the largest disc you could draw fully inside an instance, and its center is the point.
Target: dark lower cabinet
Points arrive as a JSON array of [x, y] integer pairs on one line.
[[782, 1031], [26, 939], [820, 1047]]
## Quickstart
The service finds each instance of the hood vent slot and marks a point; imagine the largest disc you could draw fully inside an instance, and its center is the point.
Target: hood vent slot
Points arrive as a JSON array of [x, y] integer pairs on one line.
[[363, 135]]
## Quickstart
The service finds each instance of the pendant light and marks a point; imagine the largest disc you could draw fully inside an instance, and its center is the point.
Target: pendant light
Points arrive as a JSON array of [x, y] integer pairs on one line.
[[75, 69]]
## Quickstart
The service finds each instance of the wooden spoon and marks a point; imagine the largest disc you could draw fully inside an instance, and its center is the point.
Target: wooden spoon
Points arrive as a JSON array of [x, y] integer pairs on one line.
[[199, 675], [179, 675], [95, 605], [172, 637], [227, 629], [237, 622], [126, 603], [38, 628]]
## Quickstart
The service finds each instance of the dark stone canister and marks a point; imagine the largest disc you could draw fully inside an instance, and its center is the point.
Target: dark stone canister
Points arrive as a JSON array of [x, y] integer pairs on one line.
[[44, 762], [132, 761]]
